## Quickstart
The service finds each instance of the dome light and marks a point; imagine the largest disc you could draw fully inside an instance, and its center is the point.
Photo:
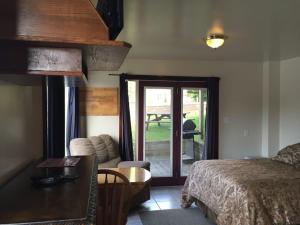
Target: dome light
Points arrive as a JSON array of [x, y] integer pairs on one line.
[[215, 40]]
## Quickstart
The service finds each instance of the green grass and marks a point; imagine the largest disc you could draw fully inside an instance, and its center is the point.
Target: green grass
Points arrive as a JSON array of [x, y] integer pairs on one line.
[[159, 133], [163, 132]]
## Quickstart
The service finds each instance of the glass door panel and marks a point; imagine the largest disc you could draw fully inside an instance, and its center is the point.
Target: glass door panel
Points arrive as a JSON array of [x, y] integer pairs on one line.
[[158, 129], [193, 126]]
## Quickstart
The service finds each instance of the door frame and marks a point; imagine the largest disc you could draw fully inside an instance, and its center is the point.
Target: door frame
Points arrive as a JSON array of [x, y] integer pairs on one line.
[[176, 86]]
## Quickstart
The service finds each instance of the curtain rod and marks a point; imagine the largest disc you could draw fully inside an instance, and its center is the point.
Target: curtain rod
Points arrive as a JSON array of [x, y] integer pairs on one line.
[[163, 77], [115, 74]]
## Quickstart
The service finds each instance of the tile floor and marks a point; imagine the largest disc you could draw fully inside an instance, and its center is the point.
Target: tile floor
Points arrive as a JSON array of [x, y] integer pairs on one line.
[[161, 198]]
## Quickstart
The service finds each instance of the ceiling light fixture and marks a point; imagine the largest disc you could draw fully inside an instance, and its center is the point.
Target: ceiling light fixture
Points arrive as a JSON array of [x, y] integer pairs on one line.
[[215, 40]]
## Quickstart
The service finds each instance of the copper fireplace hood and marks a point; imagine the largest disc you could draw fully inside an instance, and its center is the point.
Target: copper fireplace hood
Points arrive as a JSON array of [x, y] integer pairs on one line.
[[55, 37]]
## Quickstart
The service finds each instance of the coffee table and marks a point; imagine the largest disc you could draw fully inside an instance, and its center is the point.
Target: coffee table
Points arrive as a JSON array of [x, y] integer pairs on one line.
[[139, 179]]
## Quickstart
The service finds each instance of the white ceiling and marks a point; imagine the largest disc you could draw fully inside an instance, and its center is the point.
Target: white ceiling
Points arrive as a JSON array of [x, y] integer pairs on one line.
[[173, 29]]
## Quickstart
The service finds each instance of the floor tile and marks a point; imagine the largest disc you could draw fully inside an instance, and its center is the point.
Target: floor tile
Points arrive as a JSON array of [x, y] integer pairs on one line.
[[151, 200], [162, 198], [168, 205], [166, 194], [148, 206], [166, 190], [134, 219]]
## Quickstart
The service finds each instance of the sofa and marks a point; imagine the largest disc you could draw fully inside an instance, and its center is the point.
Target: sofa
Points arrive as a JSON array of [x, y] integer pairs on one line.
[[106, 151]]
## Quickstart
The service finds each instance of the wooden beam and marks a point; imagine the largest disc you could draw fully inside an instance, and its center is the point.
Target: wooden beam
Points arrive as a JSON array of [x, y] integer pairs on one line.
[[105, 57], [23, 59], [68, 21]]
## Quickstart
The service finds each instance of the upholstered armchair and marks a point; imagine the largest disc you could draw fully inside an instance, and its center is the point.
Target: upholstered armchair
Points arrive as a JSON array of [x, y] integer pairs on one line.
[[106, 151]]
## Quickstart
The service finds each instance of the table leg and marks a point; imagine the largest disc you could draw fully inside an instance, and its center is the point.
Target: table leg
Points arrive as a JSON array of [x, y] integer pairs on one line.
[[157, 119], [147, 122]]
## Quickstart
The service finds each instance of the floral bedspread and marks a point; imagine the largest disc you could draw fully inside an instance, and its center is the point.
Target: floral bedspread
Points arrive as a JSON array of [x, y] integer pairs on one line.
[[246, 192]]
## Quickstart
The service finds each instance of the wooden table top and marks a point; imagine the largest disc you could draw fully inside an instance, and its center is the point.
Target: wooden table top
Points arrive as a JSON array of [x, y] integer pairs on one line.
[[135, 175], [21, 202]]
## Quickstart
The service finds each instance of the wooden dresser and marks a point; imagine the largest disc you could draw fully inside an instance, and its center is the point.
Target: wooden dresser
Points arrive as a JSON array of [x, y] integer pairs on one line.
[[65, 203]]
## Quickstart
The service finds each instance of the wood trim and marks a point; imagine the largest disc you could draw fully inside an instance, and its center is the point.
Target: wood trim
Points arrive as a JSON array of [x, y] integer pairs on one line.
[[121, 84], [167, 181], [98, 101], [177, 114], [36, 42]]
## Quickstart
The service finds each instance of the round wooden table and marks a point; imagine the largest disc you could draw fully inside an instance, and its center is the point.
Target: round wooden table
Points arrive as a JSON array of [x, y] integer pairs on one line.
[[139, 179]]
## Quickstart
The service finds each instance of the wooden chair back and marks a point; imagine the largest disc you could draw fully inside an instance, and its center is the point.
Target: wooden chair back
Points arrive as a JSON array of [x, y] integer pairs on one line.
[[114, 194]]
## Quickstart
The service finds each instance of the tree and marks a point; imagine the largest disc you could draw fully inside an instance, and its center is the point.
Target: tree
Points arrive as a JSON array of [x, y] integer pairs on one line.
[[194, 94]]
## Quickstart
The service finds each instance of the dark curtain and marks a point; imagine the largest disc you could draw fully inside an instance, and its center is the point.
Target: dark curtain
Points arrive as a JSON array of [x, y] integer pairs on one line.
[[54, 117], [126, 149], [211, 148], [72, 129]]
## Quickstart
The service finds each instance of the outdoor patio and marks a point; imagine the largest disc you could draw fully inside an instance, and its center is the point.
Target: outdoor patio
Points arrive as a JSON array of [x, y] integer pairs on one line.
[[161, 166], [158, 154]]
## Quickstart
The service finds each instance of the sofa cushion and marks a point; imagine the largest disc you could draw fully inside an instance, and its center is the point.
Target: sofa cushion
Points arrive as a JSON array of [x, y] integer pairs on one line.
[[109, 145], [81, 146], [100, 148]]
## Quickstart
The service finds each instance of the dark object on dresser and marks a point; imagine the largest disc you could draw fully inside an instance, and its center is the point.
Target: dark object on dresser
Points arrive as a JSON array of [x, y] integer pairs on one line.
[[46, 180], [44, 177]]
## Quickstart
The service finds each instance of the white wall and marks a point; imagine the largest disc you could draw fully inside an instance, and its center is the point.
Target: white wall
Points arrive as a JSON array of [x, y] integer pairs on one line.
[[289, 102], [240, 99], [270, 108], [21, 127]]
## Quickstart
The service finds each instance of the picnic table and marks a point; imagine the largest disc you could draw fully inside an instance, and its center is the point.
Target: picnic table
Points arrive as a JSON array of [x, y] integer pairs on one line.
[[158, 116], [160, 112]]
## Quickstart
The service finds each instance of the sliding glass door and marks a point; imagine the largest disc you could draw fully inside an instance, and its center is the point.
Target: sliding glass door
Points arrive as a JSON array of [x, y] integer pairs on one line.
[[158, 130], [171, 127], [193, 126]]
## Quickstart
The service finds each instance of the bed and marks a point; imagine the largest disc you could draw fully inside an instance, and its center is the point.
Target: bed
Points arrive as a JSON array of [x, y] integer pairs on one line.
[[246, 192]]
